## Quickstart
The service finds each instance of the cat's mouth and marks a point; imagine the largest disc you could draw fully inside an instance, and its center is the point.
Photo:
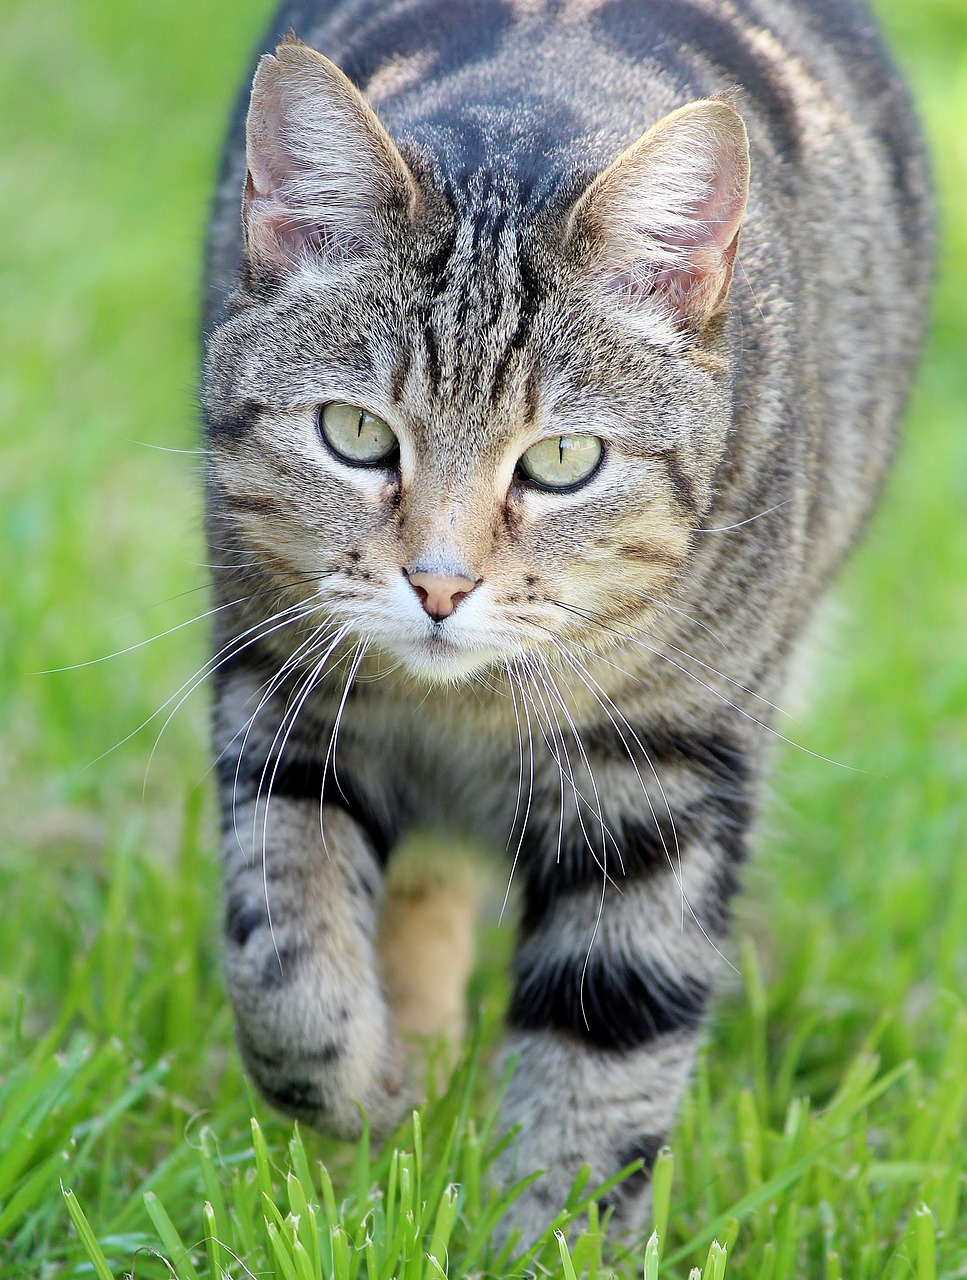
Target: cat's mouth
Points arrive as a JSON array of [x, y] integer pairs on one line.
[[439, 659]]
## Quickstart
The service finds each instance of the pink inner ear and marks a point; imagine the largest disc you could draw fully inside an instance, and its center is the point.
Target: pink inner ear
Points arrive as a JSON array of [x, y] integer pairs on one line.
[[700, 284], [283, 238], [666, 214], [289, 239], [295, 237], [695, 280]]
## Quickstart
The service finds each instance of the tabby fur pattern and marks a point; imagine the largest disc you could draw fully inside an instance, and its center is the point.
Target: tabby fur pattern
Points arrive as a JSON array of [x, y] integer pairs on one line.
[[697, 230]]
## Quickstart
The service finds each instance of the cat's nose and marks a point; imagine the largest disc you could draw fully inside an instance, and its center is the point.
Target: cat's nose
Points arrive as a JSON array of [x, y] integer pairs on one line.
[[439, 593]]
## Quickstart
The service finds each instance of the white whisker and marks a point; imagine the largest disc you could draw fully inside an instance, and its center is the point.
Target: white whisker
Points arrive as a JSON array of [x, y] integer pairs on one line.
[[361, 646], [628, 639], [291, 714], [253, 635], [512, 673], [180, 626], [676, 870], [759, 515]]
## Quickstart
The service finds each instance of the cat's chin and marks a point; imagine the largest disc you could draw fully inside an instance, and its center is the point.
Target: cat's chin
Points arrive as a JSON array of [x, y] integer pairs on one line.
[[439, 663]]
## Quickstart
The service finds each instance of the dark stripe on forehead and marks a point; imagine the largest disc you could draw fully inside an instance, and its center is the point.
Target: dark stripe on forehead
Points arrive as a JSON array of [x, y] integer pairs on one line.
[[470, 33], [432, 359], [399, 375], [528, 303], [615, 1002]]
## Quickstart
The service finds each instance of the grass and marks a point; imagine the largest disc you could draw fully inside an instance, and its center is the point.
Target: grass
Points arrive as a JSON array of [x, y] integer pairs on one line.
[[824, 1133]]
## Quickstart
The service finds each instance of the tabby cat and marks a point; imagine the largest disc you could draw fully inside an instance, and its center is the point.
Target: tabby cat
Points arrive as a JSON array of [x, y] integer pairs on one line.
[[551, 371]]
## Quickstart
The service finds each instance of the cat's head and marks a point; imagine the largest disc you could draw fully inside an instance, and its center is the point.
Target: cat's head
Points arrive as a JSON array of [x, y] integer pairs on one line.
[[466, 422]]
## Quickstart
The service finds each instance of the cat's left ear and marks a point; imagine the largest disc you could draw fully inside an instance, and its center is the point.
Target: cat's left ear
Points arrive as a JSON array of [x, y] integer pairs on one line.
[[322, 170], [663, 220]]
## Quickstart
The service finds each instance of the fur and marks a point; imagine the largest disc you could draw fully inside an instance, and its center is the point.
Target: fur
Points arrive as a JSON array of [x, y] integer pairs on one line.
[[697, 230]]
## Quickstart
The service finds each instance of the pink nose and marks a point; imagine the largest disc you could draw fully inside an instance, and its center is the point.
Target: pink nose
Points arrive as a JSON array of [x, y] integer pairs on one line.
[[439, 594]]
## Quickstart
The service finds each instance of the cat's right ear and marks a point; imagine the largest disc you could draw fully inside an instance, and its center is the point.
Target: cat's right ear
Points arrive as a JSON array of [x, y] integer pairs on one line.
[[322, 170]]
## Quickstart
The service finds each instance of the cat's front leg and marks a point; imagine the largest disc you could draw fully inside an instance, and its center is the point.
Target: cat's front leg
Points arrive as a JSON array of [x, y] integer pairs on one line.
[[311, 1020], [612, 982], [302, 898]]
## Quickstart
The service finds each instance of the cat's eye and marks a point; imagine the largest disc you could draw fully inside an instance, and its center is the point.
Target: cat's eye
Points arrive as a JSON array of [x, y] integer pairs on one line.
[[561, 462], [356, 436]]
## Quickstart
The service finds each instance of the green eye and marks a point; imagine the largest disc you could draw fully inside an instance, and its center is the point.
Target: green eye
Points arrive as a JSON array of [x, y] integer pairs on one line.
[[561, 462], [356, 436]]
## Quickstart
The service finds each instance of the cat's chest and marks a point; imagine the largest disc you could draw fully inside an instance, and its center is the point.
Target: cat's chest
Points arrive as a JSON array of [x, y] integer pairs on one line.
[[457, 762]]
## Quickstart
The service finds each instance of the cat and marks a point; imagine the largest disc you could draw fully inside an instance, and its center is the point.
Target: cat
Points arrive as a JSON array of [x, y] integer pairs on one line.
[[551, 370]]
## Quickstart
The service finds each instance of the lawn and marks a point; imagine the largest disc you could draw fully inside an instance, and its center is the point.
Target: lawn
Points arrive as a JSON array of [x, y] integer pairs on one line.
[[824, 1134]]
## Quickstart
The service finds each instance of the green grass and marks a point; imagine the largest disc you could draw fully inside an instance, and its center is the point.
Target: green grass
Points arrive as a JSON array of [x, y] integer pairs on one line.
[[824, 1134]]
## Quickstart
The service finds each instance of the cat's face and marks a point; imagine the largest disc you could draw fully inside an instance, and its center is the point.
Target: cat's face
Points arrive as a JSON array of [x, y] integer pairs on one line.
[[454, 396]]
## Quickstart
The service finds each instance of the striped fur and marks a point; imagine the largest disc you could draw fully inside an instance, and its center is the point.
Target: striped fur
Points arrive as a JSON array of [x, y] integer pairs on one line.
[[548, 228]]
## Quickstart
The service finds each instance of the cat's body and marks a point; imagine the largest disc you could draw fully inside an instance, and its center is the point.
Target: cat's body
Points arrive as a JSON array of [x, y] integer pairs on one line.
[[479, 292]]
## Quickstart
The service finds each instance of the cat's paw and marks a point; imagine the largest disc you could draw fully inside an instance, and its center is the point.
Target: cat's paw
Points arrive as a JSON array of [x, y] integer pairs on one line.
[[329, 1088], [317, 1041], [627, 1204]]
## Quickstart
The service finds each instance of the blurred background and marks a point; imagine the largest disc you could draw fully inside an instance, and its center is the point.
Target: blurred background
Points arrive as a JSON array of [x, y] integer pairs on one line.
[[111, 116]]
